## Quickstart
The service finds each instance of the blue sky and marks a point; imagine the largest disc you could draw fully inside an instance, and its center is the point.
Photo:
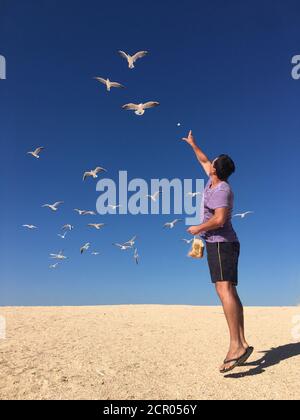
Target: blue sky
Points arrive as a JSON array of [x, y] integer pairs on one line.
[[222, 68]]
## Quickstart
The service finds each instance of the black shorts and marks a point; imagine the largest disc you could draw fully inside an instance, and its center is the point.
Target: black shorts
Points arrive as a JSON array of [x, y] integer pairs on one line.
[[223, 260]]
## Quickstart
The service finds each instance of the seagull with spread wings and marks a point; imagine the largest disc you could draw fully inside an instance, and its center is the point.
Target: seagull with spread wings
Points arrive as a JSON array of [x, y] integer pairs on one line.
[[243, 215], [154, 196], [53, 207], [53, 265], [193, 194], [35, 153], [85, 247], [85, 212], [59, 256], [95, 253], [131, 241], [139, 109], [171, 225], [123, 247], [136, 256], [97, 226], [68, 227], [109, 84], [62, 236], [93, 172], [188, 241], [30, 227], [114, 206], [131, 59]]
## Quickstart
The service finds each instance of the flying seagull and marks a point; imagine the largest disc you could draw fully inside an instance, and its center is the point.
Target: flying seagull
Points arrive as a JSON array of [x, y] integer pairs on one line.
[[35, 153], [187, 241], [123, 247], [97, 226], [131, 241], [139, 109], [108, 83], [53, 265], [85, 212], [94, 172], [95, 253], [242, 215], [59, 256], [154, 196], [131, 59], [85, 247], [114, 207], [53, 207], [172, 224], [62, 236], [30, 227], [68, 227], [193, 194], [136, 256]]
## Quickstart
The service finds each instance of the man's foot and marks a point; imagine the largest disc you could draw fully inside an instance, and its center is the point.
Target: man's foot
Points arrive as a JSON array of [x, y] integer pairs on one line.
[[245, 345], [233, 355]]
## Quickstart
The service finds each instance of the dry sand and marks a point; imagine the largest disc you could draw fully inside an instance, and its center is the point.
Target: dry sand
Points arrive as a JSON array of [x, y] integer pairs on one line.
[[144, 352]]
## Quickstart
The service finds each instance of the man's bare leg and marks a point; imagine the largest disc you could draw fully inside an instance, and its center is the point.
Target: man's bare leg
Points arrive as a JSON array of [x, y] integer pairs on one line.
[[242, 322], [233, 311]]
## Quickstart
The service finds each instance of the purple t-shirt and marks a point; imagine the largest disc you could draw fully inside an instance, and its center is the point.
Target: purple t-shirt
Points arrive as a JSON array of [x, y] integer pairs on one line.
[[219, 196]]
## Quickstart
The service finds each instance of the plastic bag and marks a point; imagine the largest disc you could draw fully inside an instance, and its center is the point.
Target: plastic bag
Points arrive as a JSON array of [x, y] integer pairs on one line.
[[197, 250]]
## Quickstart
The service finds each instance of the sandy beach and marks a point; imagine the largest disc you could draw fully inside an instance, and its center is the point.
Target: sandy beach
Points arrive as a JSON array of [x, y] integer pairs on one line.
[[144, 352]]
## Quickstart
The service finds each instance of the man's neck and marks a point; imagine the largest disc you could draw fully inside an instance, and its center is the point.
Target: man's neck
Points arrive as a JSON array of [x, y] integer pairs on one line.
[[215, 181]]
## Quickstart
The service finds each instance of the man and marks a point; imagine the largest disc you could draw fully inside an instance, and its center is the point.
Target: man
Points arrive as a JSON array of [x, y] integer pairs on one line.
[[223, 248]]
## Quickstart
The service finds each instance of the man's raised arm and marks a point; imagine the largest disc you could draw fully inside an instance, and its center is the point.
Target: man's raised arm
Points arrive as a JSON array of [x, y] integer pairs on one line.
[[203, 159]]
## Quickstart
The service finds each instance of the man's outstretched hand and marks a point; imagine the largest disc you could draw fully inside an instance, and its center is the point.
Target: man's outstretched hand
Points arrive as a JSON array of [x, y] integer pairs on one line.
[[190, 139]]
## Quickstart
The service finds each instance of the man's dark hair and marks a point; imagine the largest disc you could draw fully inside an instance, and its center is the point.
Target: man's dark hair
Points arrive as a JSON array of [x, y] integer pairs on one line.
[[224, 167]]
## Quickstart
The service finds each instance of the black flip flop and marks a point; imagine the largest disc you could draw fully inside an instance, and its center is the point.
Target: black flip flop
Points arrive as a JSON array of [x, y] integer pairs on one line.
[[238, 362]]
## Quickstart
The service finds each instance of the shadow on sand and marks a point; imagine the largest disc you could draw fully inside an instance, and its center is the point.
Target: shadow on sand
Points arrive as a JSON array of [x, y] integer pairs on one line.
[[271, 358]]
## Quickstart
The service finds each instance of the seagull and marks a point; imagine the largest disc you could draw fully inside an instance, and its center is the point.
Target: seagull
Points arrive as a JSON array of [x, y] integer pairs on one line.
[[242, 215], [108, 83], [172, 224], [123, 247], [136, 256], [59, 256], [62, 236], [97, 226], [53, 207], [114, 207], [95, 253], [85, 247], [35, 153], [193, 194], [53, 265], [30, 227], [131, 242], [139, 109], [68, 227], [187, 241], [131, 59], [94, 173], [154, 196], [85, 212]]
